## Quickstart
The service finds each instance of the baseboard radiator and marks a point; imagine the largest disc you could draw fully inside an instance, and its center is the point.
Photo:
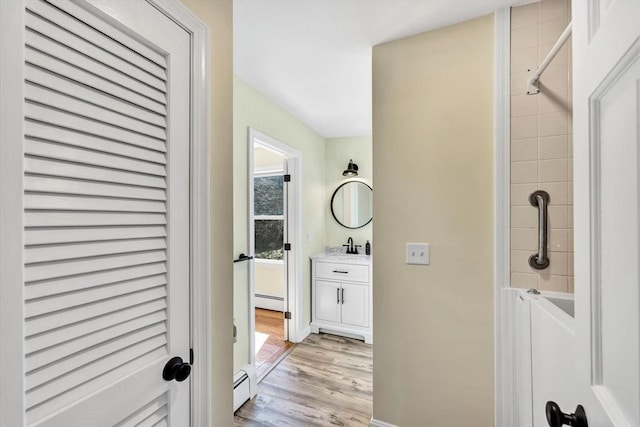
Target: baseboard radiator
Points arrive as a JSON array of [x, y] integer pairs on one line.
[[269, 302], [244, 386]]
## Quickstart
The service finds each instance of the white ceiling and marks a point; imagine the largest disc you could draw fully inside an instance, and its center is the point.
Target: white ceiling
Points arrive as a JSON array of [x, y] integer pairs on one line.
[[313, 57]]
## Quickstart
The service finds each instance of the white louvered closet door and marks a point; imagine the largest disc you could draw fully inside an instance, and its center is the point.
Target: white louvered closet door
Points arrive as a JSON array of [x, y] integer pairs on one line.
[[105, 214]]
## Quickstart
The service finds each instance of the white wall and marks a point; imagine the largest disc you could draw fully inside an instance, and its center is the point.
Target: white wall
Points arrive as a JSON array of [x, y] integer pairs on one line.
[[338, 153]]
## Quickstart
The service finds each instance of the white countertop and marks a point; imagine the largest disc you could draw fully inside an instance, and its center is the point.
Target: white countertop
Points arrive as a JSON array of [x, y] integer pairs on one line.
[[342, 258]]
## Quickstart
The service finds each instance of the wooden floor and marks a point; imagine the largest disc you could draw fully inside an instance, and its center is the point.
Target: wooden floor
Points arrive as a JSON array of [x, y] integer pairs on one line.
[[325, 380], [275, 347]]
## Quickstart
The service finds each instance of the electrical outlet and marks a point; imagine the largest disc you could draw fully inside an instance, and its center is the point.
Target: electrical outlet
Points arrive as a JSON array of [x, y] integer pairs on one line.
[[418, 253]]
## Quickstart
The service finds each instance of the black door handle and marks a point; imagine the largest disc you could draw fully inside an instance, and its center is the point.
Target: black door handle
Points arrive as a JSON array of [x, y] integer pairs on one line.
[[176, 369], [557, 418]]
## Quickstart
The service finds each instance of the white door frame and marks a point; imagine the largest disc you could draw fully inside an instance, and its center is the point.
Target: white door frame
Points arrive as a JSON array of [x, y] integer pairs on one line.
[[504, 332], [294, 291], [11, 192]]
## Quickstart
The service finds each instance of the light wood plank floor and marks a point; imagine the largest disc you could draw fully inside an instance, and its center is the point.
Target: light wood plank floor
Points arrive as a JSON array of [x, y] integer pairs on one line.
[[270, 323], [326, 380]]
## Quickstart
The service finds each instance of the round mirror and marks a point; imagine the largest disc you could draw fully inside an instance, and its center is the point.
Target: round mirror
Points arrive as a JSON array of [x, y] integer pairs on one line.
[[352, 204]]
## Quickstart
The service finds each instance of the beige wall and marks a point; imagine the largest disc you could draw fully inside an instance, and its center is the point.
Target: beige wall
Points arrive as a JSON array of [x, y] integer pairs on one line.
[[541, 152], [252, 109], [432, 163], [218, 15], [338, 153]]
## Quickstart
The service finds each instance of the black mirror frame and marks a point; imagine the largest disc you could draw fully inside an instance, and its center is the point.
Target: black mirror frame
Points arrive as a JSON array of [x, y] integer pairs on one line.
[[334, 195]]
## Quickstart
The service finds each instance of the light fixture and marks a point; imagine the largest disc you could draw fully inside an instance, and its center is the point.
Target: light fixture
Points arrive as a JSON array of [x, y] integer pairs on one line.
[[352, 169]]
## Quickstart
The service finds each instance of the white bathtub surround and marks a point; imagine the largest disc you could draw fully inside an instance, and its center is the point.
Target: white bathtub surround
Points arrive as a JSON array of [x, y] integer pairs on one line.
[[342, 295], [542, 344]]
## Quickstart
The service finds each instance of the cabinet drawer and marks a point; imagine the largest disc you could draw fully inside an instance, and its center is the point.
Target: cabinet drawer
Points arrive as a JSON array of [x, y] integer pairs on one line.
[[350, 272]]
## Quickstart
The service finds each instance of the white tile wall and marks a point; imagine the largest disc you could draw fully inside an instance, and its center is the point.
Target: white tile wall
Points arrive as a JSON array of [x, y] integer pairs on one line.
[[541, 145]]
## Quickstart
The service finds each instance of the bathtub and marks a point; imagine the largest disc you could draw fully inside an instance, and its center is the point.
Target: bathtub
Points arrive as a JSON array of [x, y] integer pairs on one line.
[[544, 337]]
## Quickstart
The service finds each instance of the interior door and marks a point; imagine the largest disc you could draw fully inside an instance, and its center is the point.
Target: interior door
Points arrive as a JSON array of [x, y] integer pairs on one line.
[[286, 239], [99, 283], [606, 45]]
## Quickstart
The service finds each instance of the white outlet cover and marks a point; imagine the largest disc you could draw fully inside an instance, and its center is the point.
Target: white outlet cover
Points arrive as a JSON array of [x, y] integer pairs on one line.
[[418, 253]]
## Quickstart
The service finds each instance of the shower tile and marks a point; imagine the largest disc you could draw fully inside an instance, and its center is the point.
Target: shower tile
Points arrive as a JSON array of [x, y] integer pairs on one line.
[[552, 9], [570, 216], [524, 217], [553, 170], [524, 149], [552, 100], [524, 59], [555, 76], [570, 284], [524, 105], [553, 147], [554, 124], [524, 280], [570, 193], [557, 264], [558, 217], [520, 262], [570, 169], [524, 37], [553, 283], [557, 192], [524, 239], [570, 266], [558, 241], [524, 127], [550, 31], [519, 83], [570, 240], [523, 172], [520, 194], [524, 15]]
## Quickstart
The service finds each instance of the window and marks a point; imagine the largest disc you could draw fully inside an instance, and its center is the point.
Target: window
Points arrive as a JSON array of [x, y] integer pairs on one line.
[[268, 196]]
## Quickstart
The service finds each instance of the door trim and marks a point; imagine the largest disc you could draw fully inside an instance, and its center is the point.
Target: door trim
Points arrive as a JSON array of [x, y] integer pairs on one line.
[[504, 358], [201, 397], [294, 157]]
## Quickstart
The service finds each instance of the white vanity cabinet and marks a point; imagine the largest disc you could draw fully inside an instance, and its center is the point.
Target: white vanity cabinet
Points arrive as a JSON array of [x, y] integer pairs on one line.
[[342, 295]]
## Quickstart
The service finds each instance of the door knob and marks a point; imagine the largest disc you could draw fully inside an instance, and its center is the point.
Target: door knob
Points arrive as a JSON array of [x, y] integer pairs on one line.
[[176, 369], [557, 418]]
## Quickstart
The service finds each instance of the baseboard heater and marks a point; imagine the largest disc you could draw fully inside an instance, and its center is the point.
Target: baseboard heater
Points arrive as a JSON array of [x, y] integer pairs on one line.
[[244, 386], [269, 302]]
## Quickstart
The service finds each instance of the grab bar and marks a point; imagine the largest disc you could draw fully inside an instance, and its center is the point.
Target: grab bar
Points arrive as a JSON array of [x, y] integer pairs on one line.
[[540, 199]]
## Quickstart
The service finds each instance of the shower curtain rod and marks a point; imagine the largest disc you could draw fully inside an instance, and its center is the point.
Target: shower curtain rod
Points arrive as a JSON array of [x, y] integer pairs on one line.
[[533, 83]]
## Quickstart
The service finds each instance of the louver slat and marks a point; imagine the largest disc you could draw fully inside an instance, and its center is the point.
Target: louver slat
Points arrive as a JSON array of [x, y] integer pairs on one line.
[[41, 131], [35, 236], [41, 184], [46, 356], [50, 167], [39, 254], [87, 110], [82, 92], [59, 67], [80, 219], [113, 33], [57, 118], [40, 35], [75, 34], [144, 413], [70, 333], [35, 272]]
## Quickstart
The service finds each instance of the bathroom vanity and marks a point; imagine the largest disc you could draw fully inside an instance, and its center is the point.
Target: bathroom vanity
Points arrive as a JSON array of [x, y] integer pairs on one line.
[[341, 295]]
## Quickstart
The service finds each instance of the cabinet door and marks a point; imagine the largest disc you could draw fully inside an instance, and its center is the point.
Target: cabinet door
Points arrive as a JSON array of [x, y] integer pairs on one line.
[[355, 304], [326, 301]]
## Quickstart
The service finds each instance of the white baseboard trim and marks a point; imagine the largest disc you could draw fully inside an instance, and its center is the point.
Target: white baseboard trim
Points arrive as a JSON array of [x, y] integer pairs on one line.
[[269, 302], [303, 334], [378, 423], [245, 386]]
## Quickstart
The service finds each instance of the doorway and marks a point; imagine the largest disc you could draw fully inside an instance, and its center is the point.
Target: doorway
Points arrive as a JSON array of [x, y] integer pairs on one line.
[[273, 240]]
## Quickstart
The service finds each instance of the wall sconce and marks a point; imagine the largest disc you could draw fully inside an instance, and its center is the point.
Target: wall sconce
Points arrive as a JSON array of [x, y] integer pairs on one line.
[[352, 169]]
